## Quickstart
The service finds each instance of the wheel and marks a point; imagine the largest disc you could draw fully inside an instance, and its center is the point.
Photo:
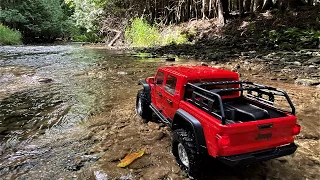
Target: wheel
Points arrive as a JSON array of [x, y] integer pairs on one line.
[[142, 106], [186, 153]]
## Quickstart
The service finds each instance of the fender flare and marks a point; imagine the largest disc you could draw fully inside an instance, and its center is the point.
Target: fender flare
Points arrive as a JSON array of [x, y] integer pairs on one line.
[[146, 89], [194, 125], [145, 85]]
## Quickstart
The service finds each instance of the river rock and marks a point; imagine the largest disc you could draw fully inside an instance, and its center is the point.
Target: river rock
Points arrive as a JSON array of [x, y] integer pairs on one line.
[[100, 175], [307, 82], [297, 63], [45, 80], [122, 73], [171, 59], [314, 60]]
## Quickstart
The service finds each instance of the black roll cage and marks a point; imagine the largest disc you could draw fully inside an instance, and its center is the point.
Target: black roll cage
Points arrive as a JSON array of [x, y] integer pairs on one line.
[[205, 99]]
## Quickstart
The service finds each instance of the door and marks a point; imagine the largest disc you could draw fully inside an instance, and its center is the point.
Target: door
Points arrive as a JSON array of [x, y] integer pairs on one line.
[[170, 99], [158, 90]]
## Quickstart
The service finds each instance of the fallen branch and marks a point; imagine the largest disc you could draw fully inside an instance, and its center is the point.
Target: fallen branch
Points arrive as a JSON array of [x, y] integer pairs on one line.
[[115, 38]]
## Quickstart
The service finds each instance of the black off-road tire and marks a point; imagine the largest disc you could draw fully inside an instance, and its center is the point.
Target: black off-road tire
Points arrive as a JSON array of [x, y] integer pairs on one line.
[[145, 113], [186, 138]]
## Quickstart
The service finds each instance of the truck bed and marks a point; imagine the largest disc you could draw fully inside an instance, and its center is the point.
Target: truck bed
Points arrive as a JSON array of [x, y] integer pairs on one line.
[[243, 110]]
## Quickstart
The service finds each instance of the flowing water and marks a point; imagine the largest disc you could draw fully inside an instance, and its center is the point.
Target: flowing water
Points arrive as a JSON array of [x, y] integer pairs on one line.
[[68, 112]]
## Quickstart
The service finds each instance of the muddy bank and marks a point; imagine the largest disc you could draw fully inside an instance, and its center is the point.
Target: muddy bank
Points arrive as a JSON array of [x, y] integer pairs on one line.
[[99, 125]]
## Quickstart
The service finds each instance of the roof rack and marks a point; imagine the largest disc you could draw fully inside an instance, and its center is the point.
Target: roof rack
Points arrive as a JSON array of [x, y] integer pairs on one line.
[[207, 99]]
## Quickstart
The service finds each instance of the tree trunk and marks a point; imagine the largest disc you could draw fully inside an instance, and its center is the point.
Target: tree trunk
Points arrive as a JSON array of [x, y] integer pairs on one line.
[[267, 4], [221, 18], [241, 7], [225, 7], [247, 5], [258, 5], [204, 9]]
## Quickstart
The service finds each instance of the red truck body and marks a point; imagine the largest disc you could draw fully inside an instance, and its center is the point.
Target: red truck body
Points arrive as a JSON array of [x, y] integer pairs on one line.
[[230, 141]]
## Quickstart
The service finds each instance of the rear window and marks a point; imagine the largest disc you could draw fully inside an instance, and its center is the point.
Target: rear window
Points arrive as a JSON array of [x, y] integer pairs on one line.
[[159, 78], [171, 84], [189, 91]]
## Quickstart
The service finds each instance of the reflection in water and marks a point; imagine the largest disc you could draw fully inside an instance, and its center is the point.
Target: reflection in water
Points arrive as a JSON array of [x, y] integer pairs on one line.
[[49, 90]]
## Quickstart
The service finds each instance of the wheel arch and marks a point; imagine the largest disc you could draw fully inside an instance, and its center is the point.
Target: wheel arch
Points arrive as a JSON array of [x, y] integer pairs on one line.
[[145, 85], [183, 119]]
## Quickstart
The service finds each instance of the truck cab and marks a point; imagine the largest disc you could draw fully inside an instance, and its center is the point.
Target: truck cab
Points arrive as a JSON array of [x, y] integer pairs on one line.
[[168, 88]]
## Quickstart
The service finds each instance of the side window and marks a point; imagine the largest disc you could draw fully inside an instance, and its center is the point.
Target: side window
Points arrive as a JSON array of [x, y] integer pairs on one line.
[[171, 84], [159, 78]]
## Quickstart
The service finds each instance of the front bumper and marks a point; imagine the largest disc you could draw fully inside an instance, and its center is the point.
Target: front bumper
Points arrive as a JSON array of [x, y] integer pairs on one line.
[[249, 158]]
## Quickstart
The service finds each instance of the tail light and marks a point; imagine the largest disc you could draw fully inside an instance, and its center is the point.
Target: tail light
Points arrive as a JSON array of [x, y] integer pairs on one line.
[[224, 141], [296, 129]]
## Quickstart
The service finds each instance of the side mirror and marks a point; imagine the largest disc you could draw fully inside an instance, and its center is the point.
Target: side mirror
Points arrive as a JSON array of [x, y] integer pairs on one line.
[[150, 80]]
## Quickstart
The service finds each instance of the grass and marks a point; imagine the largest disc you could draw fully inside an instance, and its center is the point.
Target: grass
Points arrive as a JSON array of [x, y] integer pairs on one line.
[[9, 36], [142, 34]]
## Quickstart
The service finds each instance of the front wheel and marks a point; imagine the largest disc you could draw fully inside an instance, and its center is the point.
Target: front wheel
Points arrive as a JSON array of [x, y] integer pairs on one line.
[[142, 106], [186, 153]]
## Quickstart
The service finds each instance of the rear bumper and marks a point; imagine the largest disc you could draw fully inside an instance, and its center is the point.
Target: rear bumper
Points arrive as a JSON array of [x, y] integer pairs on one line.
[[249, 158]]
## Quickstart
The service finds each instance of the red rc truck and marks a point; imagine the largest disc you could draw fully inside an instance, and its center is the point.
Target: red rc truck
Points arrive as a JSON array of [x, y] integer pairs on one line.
[[211, 112]]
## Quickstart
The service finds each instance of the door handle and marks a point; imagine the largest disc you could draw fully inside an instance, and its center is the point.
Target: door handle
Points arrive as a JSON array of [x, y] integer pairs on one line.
[[159, 93], [169, 101]]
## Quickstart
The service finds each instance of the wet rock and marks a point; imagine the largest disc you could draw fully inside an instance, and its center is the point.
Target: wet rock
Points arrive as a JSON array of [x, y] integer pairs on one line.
[[236, 67], [297, 63], [141, 163], [307, 82], [100, 175], [153, 126], [159, 174], [312, 67], [122, 73], [285, 59], [203, 64], [283, 79], [170, 59], [314, 60], [45, 80], [3, 129]]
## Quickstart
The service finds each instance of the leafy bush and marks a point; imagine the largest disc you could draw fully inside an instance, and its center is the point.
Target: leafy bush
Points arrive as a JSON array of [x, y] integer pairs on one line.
[[9, 36], [86, 37], [295, 38], [142, 34], [35, 19]]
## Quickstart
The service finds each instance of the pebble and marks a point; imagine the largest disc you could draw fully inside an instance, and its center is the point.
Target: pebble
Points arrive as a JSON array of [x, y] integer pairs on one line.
[[314, 60], [297, 63], [307, 82], [45, 80], [122, 73]]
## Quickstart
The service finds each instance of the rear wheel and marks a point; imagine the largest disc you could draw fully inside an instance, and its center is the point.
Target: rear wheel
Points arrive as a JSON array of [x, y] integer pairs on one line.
[[186, 153], [142, 106]]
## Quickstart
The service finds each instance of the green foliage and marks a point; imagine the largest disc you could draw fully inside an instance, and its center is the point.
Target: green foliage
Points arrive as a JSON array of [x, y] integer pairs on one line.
[[36, 19], [9, 36], [86, 13], [295, 38], [86, 37], [142, 34], [171, 36]]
